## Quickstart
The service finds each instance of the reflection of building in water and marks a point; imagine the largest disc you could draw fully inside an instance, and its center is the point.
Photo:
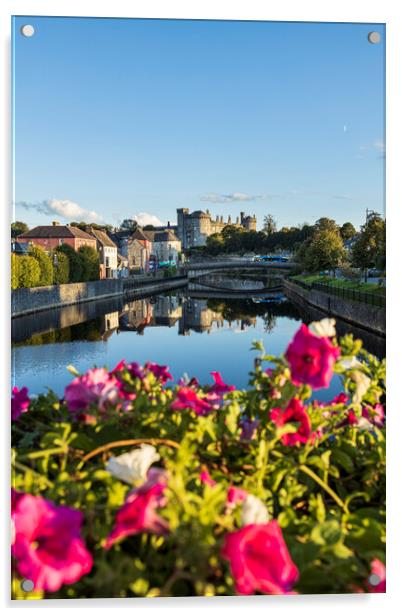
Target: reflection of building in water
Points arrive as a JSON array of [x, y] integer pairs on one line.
[[111, 320], [190, 313], [167, 310], [198, 317], [136, 315]]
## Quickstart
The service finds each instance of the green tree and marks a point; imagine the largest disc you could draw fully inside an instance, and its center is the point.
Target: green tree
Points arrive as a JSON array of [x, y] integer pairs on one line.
[[325, 251], [90, 263], [61, 267], [15, 261], [269, 226], [28, 271], [347, 231], [129, 224], [369, 248], [18, 227], [75, 262], [45, 265]]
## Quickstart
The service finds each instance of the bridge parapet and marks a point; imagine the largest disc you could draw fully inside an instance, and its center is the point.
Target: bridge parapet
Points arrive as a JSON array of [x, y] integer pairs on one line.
[[196, 269]]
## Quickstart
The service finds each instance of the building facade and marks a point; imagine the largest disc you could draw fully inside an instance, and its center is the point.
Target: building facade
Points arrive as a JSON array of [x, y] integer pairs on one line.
[[139, 248], [107, 251], [193, 229], [50, 237]]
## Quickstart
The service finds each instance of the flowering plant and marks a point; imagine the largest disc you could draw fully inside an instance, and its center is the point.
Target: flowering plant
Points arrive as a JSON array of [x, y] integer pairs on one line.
[[130, 486]]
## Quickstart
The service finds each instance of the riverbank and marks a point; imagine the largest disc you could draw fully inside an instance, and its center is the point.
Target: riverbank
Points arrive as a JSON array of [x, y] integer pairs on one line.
[[32, 300], [358, 314]]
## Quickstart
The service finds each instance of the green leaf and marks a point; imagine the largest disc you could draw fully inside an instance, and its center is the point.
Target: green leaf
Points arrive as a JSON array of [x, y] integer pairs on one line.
[[327, 533]]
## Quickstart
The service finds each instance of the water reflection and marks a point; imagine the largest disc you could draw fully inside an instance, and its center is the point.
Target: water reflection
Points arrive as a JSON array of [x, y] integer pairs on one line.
[[190, 333]]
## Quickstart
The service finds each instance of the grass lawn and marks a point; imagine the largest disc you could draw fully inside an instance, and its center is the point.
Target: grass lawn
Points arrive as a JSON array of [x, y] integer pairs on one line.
[[345, 284]]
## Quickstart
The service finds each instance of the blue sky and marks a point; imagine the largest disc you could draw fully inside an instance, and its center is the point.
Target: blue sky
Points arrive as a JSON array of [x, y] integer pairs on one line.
[[118, 118]]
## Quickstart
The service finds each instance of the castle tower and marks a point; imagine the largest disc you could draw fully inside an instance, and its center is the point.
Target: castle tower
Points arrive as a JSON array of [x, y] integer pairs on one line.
[[182, 214]]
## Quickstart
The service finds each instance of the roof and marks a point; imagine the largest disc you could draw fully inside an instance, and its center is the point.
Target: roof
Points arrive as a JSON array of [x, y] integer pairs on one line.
[[103, 238], [150, 235], [49, 231], [199, 214], [141, 235], [166, 236]]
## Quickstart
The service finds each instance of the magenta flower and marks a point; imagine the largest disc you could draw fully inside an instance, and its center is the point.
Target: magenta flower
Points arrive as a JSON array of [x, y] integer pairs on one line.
[[138, 514], [293, 413], [188, 399], [259, 560], [375, 415], [48, 547], [161, 372], [311, 358], [377, 578], [136, 370], [19, 402], [206, 478], [219, 386], [235, 496], [96, 386]]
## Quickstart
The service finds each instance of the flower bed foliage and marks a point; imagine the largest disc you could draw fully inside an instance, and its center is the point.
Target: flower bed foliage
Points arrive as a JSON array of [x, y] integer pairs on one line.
[[131, 486]]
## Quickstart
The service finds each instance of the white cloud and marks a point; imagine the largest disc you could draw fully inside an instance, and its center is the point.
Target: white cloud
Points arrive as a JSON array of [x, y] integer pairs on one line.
[[230, 198], [63, 208], [143, 218]]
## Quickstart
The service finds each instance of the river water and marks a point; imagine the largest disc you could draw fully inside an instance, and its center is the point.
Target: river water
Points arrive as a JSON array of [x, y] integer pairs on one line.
[[191, 334]]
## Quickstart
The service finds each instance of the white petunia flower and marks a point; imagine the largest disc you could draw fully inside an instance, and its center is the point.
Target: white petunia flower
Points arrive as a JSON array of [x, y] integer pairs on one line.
[[349, 362], [253, 511], [364, 424], [324, 328], [362, 384], [133, 466]]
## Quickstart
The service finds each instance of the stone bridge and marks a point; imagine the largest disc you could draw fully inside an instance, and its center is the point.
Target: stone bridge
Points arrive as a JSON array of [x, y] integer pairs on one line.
[[194, 270]]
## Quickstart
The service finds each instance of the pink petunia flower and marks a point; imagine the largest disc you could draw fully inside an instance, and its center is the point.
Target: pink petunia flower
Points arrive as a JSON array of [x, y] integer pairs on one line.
[[219, 386], [20, 402], [187, 398], [96, 386], [206, 478], [235, 496], [293, 413], [259, 560], [377, 579], [48, 547], [375, 415], [311, 358], [138, 514], [161, 372]]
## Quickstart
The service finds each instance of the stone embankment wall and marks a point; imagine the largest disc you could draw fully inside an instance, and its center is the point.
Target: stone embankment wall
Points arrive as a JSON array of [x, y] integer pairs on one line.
[[371, 318], [27, 301]]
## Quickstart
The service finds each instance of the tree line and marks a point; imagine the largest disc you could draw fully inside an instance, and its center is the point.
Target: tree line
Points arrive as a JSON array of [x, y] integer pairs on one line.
[[60, 266], [317, 247]]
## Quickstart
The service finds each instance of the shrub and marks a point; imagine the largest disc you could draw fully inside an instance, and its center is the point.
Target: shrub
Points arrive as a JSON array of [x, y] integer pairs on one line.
[[14, 271], [61, 267], [241, 480], [28, 271], [45, 265], [75, 263], [90, 263]]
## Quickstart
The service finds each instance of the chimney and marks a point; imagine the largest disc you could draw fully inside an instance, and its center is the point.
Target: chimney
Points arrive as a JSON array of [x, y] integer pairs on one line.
[[55, 223], [237, 220], [241, 217], [168, 224]]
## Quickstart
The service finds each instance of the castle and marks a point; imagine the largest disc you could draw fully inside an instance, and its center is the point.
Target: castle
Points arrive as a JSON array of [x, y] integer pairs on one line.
[[193, 229]]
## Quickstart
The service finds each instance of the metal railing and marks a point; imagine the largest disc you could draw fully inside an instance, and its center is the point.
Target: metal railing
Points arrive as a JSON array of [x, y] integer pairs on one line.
[[356, 295]]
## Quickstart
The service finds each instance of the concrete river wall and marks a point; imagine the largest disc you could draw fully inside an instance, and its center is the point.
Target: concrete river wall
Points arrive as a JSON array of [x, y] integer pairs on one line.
[[359, 314], [28, 301]]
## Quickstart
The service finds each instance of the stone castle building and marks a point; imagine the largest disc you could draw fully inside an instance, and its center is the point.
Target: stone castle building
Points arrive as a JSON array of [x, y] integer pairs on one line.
[[193, 229]]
